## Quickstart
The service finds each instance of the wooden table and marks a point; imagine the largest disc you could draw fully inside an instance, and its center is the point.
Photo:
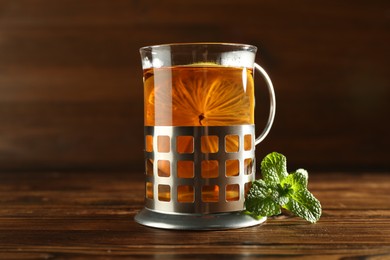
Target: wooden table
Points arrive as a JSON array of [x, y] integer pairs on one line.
[[80, 215]]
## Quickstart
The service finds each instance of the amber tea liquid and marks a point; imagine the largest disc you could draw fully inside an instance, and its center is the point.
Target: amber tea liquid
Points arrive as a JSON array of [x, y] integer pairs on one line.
[[198, 95]]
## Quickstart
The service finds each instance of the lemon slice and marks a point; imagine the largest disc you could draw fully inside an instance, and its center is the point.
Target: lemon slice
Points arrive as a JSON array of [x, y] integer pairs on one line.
[[199, 96]]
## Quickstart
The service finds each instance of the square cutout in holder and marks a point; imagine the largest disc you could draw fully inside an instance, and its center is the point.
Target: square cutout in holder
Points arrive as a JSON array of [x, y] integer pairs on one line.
[[163, 144], [164, 168], [248, 142], [209, 144], [185, 169], [232, 144], [209, 169], [232, 192], [210, 193], [149, 190], [185, 144], [232, 168], [248, 166], [164, 192], [149, 167], [185, 194], [149, 143]]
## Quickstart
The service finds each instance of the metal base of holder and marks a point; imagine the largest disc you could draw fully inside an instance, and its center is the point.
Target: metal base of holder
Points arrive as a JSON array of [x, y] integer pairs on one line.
[[215, 221]]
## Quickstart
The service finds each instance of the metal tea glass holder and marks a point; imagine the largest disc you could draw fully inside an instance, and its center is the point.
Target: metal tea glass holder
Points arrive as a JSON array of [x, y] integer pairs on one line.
[[199, 213]]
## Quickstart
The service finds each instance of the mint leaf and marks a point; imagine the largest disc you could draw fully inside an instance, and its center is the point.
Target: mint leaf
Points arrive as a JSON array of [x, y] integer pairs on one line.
[[304, 173], [274, 168], [296, 181], [281, 189], [303, 204], [284, 193], [262, 200]]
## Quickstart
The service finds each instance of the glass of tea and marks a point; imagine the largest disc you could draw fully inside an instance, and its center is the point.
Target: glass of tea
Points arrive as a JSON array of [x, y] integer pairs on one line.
[[199, 134]]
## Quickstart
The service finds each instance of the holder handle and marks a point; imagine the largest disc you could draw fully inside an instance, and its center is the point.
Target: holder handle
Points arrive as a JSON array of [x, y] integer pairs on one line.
[[272, 107]]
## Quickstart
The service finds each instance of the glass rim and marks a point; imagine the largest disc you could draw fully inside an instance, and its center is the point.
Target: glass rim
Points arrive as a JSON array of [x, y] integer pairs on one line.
[[242, 46]]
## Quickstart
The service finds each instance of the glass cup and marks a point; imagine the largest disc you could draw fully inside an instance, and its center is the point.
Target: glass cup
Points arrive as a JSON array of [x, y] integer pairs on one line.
[[200, 138]]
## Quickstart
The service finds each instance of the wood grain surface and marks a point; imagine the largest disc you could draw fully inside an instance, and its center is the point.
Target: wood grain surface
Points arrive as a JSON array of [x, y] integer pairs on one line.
[[89, 215], [71, 80]]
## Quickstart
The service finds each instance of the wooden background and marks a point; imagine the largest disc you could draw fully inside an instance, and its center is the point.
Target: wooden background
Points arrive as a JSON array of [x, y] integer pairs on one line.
[[71, 80]]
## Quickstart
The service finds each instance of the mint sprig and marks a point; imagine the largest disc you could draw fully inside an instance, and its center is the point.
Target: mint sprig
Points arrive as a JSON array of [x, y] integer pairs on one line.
[[279, 189]]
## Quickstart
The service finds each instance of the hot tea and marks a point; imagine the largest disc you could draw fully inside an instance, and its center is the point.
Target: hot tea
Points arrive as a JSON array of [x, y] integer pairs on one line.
[[199, 95]]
